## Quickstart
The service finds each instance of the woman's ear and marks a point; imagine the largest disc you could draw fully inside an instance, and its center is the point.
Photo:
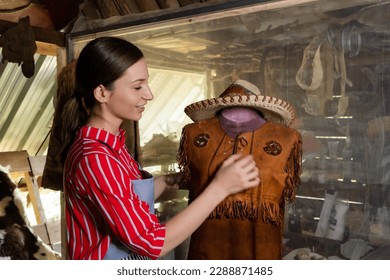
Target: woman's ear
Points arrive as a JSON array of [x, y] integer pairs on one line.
[[100, 94]]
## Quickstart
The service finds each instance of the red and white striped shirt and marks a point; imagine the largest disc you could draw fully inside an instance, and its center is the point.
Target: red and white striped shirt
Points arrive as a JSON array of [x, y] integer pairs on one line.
[[100, 199]]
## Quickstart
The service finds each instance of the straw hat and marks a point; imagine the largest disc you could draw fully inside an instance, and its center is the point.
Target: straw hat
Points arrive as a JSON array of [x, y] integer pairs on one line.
[[243, 94]]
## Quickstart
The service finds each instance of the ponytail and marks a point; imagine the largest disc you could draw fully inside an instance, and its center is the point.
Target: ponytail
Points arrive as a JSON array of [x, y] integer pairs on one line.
[[74, 116]]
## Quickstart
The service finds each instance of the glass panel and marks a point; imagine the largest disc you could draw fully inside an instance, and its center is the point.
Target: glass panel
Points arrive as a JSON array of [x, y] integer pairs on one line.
[[330, 60], [160, 139]]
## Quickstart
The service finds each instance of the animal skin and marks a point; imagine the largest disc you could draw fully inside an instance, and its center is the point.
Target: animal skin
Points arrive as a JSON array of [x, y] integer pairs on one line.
[[19, 46], [17, 240]]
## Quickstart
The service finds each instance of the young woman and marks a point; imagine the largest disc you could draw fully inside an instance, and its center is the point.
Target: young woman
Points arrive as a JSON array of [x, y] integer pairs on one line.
[[109, 199]]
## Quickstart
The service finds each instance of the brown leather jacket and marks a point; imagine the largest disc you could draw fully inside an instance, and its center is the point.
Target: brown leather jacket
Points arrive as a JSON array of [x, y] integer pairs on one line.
[[247, 225]]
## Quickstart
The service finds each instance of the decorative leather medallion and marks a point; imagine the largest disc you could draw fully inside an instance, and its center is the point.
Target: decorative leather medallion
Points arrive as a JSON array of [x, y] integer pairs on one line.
[[201, 140], [272, 148]]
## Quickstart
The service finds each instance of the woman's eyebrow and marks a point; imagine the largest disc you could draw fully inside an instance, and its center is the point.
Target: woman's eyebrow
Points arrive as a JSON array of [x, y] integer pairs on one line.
[[138, 80]]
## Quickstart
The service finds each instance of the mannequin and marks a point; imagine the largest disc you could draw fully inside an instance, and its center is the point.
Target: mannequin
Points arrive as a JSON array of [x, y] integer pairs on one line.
[[248, 225]]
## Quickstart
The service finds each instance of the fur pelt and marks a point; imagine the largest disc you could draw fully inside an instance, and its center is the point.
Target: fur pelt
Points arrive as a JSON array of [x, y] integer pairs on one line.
[[19, 46], [17, 240]]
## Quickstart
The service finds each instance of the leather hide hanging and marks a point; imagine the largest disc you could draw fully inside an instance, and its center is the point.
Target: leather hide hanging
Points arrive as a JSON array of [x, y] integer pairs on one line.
[[19, 46], [17, 240], [247, 225]]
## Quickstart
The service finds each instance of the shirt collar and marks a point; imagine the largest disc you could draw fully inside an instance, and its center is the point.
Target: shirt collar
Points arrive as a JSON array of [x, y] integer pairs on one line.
[[114, 141]]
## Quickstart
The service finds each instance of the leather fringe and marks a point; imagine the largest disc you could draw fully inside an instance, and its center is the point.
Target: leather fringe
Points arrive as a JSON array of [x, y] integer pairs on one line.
[[183, 161], [271, 212], [235, 210], [293, 169]]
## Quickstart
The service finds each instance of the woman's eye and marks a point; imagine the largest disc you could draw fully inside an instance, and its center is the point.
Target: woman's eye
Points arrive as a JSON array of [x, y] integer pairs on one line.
[[137, 88]]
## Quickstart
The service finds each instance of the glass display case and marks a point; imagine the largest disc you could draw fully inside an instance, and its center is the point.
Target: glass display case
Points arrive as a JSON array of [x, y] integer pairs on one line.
[[329, 59]]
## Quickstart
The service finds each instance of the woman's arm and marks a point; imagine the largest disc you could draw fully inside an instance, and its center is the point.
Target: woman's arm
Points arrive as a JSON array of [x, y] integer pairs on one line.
[[236, 174]]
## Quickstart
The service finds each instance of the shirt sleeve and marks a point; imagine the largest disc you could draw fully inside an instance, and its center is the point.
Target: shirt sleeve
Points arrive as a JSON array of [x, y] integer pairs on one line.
[[110, 189]]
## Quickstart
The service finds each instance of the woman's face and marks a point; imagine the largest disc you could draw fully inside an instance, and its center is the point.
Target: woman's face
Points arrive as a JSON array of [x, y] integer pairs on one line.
[[130, 93]]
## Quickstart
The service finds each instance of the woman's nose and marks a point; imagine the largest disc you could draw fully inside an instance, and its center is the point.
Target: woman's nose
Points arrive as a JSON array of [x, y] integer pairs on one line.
[[148, 95]]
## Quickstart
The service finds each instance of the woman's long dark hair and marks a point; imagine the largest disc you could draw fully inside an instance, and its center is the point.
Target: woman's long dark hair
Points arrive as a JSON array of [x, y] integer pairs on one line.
[[101, 62]]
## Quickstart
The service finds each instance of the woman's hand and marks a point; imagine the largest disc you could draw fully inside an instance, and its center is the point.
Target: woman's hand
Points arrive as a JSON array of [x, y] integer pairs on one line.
[[236, 174], [167, 181]]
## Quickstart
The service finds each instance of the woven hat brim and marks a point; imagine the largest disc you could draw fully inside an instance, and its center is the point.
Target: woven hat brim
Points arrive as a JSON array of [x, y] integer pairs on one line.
[[274, 109]]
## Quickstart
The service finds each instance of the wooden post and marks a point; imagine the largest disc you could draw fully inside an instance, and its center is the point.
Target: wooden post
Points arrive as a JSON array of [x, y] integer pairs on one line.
[[64, 242]]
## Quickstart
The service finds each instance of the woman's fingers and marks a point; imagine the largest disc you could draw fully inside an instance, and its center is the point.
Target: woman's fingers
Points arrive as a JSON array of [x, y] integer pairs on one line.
[[232, 159], [240, 172]]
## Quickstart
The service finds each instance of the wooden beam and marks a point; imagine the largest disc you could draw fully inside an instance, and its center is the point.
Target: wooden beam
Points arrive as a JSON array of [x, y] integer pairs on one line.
[[46, 48], [41, 35]]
